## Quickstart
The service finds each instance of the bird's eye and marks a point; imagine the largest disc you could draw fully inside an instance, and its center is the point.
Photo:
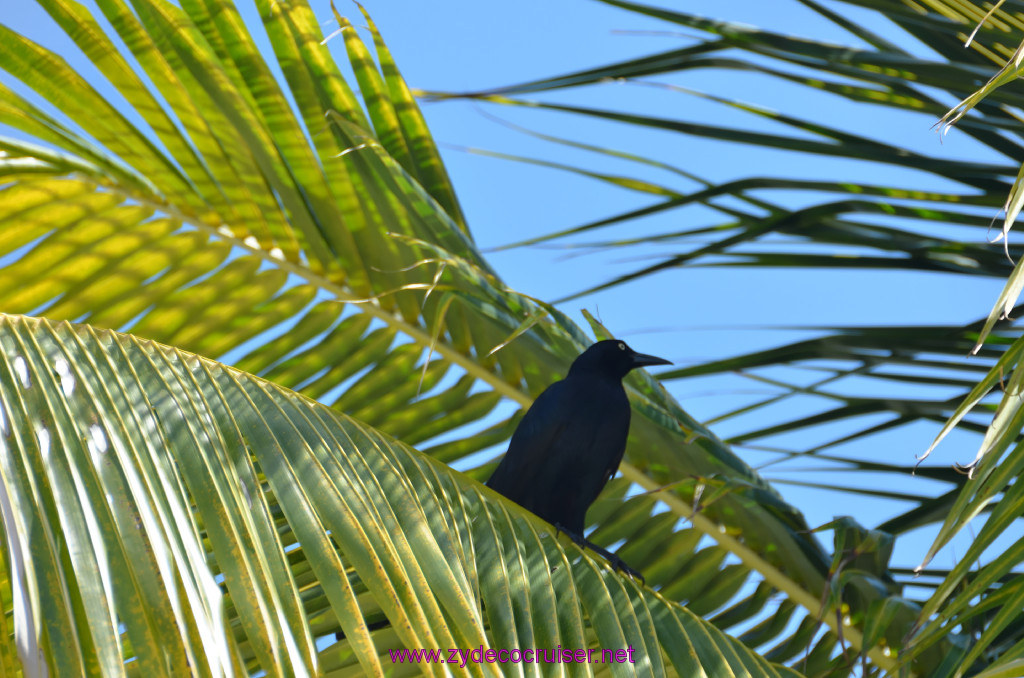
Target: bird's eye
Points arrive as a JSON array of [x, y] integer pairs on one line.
[[622, 347]]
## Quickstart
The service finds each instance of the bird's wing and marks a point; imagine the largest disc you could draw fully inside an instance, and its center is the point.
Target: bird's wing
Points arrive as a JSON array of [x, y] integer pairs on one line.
[[564, 450], [538, 432], [620, 428]]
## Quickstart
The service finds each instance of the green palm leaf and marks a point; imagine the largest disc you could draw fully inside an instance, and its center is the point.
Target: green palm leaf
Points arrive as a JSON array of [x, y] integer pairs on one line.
[[852, 225], [165, 514], [279, 226]]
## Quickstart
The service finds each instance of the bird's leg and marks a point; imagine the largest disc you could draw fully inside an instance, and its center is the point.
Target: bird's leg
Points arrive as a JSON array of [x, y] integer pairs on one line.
[[618, 565], [576, 538], [615, 561]]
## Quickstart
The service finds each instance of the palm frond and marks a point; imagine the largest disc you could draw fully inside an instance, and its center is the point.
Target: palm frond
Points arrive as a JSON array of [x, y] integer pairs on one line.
[[312, 237], [137, 477], [863, 375]]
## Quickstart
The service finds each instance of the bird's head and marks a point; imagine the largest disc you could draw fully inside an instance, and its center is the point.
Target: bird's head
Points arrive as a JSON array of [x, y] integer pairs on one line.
[[612, 358]]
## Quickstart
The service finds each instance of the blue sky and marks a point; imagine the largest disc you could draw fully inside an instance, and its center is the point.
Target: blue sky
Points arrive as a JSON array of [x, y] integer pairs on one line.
[[686, 315]]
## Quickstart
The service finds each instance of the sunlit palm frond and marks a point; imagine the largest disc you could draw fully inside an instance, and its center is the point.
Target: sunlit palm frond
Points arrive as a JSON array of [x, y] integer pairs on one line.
[[311, 237], [167, 515]]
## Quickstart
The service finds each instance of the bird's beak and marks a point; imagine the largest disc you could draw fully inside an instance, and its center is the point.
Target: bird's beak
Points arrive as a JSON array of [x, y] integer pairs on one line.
[[643, 360]]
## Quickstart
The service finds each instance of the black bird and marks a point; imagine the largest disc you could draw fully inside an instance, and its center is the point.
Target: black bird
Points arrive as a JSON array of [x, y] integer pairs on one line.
[[571, 440]]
